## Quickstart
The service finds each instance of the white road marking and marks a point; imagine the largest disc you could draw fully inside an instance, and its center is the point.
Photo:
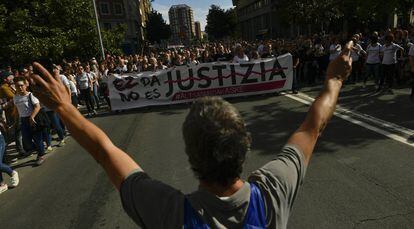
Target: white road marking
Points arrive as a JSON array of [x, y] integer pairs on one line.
[[384, 126], [371, 119]]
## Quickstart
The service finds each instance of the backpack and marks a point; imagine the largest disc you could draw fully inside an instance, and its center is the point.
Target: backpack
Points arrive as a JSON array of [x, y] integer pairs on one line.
[[41, 119], [255, 216]]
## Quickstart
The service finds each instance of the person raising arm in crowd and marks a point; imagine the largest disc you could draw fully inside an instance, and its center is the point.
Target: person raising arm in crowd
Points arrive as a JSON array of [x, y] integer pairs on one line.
[[216, 143]]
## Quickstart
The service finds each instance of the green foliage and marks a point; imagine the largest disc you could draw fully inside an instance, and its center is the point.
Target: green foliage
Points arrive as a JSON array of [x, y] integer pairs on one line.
[[221, 23], [112, 39], [33, 29], [157, 28]]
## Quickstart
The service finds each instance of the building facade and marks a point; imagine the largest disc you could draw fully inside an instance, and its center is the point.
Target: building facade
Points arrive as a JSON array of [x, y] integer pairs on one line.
[[396, 20], [133, 13], [182, 24], [257, 19], [198, 33]]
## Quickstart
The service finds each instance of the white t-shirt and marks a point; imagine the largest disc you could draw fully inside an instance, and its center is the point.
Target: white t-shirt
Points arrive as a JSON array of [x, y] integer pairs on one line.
[[374, 54], [64, 80], [83, 80], [72, 87], [355, 54], [237, 59], [337, 48], [23, 105], [390, 53]]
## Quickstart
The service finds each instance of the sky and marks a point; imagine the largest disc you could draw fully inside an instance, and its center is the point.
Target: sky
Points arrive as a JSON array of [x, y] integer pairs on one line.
[[200, 8]]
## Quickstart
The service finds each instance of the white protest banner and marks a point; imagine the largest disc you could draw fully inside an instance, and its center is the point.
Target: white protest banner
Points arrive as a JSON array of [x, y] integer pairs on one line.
[[186, 83]]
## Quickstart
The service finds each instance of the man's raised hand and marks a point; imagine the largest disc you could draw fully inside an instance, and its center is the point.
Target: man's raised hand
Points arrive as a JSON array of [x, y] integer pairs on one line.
[[49, 88], [341, 67]]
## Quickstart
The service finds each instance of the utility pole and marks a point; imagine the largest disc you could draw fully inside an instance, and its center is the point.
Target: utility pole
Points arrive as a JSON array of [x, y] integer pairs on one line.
[[99, 30]]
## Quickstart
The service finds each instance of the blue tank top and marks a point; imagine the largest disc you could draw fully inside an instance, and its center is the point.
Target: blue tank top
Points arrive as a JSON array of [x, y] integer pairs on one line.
[[254, 218]]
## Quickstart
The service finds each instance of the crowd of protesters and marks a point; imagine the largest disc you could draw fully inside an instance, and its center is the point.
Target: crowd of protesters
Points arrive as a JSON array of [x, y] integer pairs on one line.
[[384, 56]]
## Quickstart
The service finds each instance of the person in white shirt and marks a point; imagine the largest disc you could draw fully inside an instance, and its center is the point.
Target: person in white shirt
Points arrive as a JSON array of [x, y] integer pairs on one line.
[[84, 82], [72, 86], [335, 49], [373, 63], [28, 107], [240, 56], [357, 50], [389, 60], [95, 85], [411, 56]]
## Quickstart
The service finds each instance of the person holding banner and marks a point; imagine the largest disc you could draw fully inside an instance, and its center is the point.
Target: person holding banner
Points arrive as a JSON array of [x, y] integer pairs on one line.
[[217, 142], [240, 56]]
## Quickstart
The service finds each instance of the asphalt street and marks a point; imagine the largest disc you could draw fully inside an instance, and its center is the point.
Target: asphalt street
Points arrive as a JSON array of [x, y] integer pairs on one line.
[[358, 178]]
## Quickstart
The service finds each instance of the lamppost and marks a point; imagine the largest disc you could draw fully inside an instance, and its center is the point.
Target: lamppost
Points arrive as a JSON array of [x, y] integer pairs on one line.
[[99, 30]]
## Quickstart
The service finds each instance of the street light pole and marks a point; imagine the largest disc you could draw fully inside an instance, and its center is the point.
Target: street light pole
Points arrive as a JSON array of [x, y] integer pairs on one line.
[[99, 30]]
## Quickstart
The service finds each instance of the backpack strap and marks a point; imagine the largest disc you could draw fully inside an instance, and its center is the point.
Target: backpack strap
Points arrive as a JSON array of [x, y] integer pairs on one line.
[[191, 218], [256, 213], [31, 99], [255, 217]]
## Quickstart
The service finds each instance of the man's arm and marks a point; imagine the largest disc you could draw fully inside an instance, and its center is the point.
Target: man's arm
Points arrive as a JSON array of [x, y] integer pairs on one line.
[[296, 62], [36, 109], [51, 92], [324, 105]]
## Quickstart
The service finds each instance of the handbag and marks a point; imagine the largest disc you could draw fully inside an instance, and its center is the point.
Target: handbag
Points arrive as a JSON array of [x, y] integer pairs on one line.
[[41, 119]]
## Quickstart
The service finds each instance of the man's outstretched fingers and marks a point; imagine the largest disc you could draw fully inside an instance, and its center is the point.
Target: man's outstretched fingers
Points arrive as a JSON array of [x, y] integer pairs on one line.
[[56, 75], [45, 73], [39, 81], [348, 48]]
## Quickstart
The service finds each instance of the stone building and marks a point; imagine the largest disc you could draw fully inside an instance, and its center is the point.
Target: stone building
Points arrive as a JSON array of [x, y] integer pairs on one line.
[[133, 13]]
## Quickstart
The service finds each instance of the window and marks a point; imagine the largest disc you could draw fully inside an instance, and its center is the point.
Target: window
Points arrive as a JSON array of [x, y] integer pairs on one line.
[[118, 8], [107, 26], [104, 6]]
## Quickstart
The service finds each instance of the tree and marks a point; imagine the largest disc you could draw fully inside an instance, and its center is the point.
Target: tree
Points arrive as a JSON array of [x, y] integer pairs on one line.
[[33, 29], [157, 28], [113, 38], [221, 23]]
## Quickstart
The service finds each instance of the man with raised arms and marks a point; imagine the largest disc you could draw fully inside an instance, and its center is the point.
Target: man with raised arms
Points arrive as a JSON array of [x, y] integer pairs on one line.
[[216, 142]]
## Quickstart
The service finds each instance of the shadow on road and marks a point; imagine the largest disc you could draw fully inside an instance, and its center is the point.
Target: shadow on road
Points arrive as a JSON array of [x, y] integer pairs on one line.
[[390, 105], [272, 124]]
